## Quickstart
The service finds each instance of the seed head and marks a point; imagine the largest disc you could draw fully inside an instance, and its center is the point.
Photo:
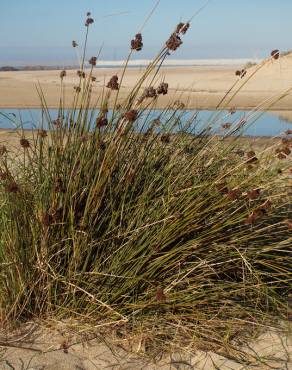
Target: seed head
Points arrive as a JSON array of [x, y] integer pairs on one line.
[[101, 121], [113, 83], [62, 74], [92, 61], [165, 138], [24, 143], [12, 187], [88, 22], [251, 157], [81, 74], [253, 194], [137, 43], [182, 28], [74, 44], [234, 194], [162, 88], [226, 126], [149, 92], [42, 134], [93, 78], [275, 54], [160, 296], [174, 42], [131, 115], [77, 89], [241, 73]]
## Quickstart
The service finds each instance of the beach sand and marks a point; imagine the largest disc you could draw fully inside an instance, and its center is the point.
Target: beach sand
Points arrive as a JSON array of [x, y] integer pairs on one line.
[[60, 349], [197, 87]]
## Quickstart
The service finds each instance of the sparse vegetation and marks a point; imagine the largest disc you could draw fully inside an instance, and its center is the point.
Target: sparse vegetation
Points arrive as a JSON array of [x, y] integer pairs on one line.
[[118, 219]]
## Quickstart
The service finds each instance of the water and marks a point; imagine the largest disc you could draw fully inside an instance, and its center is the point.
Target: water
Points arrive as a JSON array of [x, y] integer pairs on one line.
[[260, 124]]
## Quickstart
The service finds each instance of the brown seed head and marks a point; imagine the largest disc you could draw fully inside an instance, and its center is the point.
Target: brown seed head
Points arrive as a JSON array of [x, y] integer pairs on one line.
[[275, 54], [253, 194], [24, 143], [131, 115], [182, 28], [77, 89], [286, 150], [101, 121], [160, 296], [93, 78], [281, 156], [74, 44], [234, 194], [62, 74], [88, 22], [81, 74], [113, 83], [251, 157], [12, 187], [42, 134], [162, 88], [137, 43], [92, 61], [174, 42], [226, 125], [149, 92], [165, 138]]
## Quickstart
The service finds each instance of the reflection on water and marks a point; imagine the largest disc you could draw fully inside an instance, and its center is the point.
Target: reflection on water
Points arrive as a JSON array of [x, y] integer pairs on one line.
[[271, 123]]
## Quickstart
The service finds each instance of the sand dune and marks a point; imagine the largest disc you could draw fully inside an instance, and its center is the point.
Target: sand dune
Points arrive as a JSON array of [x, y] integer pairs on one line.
[[197, 86]]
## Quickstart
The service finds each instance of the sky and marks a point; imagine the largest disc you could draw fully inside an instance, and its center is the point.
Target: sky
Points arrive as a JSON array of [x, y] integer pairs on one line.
[[41, 31]]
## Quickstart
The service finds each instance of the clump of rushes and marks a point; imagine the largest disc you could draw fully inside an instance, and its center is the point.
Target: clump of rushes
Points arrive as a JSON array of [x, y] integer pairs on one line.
[[140, 220]]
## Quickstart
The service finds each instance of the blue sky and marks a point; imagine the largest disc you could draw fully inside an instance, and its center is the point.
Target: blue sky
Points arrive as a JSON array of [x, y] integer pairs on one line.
[[39, 31]]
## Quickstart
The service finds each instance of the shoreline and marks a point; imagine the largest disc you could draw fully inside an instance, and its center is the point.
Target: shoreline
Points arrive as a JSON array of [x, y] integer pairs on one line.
[[197, 87]]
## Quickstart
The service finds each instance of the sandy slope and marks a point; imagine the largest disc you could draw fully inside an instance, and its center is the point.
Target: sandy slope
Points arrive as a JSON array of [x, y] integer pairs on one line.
[[201, 87]]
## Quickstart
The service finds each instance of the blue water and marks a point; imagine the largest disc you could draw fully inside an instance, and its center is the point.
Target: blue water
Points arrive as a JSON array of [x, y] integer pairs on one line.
[[258, 124]]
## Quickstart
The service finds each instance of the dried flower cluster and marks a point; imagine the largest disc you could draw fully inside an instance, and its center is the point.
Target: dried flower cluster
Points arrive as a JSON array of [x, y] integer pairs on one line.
[[131, 115], [92, 61], [24, 143], [251, 157], [275, 54], [241, 73], [42, 133], [101, 121], [113, 83], [62, 74], [182, 28], [88, 21], [137, 43], [81, 74], [162, 88], [174, 42]]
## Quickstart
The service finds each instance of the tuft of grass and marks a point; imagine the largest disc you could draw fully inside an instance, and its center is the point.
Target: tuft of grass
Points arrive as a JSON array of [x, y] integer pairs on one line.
[[145, 221]]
